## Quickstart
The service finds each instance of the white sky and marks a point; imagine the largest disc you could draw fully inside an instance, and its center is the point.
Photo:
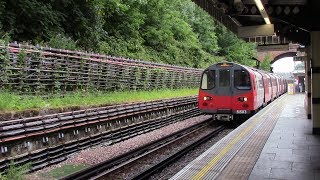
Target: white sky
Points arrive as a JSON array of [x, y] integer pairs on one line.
[[283, 65]]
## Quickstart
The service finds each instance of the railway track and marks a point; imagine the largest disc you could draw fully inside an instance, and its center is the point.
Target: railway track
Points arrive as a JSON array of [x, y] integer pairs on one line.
[[47, 140], [123, 166]]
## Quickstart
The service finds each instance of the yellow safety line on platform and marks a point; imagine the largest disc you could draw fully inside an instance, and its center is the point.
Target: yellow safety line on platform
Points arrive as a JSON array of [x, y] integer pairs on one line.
[[219, 156]]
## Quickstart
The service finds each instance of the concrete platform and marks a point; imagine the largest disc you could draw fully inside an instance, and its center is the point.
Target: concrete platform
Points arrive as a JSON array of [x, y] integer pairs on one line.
[[292, 151], [276, 143]]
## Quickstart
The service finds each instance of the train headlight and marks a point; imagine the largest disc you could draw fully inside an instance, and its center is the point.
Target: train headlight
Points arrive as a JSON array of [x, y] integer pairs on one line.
[[207, 98], [243, 99]]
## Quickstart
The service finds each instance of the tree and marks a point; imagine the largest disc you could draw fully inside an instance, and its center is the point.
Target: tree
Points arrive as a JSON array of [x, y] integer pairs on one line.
[[174, 32], [27, 20], [265, 64], [235, 49], [2, 6]]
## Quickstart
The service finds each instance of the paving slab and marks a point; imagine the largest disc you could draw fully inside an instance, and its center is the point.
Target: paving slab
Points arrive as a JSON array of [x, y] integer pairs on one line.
[[297, 154]]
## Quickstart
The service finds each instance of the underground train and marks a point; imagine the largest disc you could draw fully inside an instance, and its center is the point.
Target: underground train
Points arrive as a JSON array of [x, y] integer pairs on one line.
[[230, 90]]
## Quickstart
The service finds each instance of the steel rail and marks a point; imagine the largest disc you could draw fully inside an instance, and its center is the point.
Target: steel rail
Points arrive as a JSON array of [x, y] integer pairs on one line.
[[52, 155], [55, 122], [161, 165], [111, 165]]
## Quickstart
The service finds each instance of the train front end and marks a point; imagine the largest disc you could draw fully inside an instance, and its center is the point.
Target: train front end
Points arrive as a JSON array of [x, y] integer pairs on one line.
[[226, 91]]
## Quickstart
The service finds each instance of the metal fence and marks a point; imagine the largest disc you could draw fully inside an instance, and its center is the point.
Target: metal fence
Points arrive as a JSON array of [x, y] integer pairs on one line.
[[37, 70]]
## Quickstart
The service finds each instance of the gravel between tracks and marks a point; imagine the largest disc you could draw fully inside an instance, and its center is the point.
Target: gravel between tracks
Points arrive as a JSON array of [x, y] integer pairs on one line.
[[103, 152], [174, 168]]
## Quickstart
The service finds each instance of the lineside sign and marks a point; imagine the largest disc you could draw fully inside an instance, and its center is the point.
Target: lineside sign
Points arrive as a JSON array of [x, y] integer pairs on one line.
[[299, 58]]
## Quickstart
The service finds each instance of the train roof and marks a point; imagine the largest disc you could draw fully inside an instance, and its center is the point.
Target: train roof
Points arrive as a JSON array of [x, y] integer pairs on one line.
[[232, 64], [228, 64]]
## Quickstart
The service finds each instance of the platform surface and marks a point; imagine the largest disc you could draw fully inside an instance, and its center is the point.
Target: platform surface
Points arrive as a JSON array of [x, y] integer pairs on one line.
[[276, 143], [292, 151]]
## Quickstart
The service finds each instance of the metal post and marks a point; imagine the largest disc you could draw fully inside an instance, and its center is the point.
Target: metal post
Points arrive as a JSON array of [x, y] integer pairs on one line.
[[308, 82], [315, 79]]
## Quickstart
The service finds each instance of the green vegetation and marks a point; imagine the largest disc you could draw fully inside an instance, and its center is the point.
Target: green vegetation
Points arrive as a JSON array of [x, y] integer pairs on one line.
[[15, 172], [12, 102], [65, 170], [265, 65], [173, 32], [234, 49]]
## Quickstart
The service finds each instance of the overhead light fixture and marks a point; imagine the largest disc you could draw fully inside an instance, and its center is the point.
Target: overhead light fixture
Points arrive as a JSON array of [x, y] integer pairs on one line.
[[259, 4], [262, 11], [267, 20]]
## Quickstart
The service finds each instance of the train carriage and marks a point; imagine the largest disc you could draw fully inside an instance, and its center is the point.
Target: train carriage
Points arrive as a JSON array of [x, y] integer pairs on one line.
[[267, 87], [229, 89], [274, 86]]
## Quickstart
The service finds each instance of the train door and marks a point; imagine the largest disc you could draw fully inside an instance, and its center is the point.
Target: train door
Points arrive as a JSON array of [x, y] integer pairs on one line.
[[259, 90], [225, 88]]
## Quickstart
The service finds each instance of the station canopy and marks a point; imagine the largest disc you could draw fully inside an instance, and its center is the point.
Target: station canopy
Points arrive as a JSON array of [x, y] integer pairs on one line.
[[267, 21]]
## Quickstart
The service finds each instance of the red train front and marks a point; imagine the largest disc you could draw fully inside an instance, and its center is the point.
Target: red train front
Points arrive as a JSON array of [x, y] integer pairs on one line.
[[229, 89]]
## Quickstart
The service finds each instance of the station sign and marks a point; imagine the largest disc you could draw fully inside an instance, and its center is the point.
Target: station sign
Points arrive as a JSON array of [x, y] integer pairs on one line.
[[300, 53], [299, 58]]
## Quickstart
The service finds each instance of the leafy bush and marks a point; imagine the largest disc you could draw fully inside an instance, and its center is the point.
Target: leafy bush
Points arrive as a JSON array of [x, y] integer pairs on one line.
[[60, 41], [15, 172], [265, 65], [4, 38]]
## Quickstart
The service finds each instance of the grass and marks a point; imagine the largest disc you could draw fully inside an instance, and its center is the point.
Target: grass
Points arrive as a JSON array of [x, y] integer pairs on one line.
[[15, 172], [13, 102], [65, 170]]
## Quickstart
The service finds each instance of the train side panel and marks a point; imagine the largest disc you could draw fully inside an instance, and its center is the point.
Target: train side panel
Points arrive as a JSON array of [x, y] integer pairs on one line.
[[258, 91], [274, 87], [267, 88]]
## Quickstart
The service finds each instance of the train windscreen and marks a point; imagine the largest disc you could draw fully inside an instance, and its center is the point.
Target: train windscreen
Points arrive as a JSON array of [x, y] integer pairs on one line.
[[224, 78], [208, 79], [242, 80]]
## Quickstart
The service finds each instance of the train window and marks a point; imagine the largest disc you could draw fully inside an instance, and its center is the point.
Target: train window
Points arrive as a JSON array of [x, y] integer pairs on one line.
[[208, 79], [274, 82], [269, 79], [242, 79], [261, 83], [224, 79]]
